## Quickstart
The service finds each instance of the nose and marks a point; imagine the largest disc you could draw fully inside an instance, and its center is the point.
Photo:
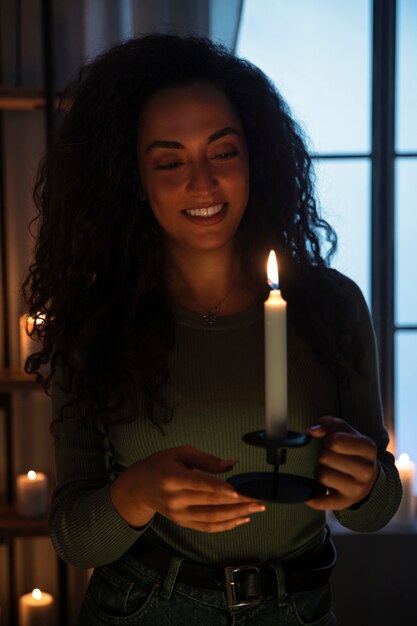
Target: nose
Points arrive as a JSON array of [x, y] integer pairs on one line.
[[202, 178]]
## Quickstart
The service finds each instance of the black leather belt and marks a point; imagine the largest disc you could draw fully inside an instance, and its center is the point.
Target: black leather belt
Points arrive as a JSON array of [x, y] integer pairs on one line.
[[245, 584]]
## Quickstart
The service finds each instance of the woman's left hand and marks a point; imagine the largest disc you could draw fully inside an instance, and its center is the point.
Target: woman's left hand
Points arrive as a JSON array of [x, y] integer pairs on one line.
[[347, 465]]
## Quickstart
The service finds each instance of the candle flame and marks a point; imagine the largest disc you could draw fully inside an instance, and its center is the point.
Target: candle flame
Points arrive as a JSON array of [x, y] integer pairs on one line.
[[403, 461], [37, 594], [32, 475], [272, 271]]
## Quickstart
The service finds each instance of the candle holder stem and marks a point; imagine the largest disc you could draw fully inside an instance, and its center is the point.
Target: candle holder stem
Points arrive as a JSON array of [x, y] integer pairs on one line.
[[276, 486], [275, 482]]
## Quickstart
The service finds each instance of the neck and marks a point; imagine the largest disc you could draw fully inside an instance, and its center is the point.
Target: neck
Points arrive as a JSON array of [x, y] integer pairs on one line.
[[204, 275], [204, 281]]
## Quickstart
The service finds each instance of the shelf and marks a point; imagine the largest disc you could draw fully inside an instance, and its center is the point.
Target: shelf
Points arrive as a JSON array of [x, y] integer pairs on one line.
[[24, 99], [14, 526]]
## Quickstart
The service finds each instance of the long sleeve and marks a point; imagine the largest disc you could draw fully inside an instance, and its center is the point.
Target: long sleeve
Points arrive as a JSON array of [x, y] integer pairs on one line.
[[85, 529], [360, 402], [216, 389]]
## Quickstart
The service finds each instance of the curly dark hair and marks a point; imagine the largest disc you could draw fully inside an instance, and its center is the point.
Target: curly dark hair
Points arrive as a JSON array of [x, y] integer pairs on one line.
[[98, 262]]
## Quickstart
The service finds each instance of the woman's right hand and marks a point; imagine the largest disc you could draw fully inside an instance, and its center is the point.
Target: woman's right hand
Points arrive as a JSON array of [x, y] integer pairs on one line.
[[177, 483]]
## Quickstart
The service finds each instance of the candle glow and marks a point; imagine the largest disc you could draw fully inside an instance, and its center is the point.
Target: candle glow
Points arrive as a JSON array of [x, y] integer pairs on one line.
[[32, 475], [403, 461], [406, 510]]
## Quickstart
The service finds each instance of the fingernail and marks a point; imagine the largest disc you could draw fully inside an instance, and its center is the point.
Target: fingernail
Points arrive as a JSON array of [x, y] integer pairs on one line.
[[245, 520], [316, 427], [259, 509]]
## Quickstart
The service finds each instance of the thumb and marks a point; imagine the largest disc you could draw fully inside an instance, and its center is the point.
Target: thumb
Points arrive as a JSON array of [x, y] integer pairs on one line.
[[327, 425], [193, 458]]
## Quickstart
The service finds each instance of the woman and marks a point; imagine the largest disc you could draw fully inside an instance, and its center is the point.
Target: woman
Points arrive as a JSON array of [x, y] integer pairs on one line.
[[176, 170]]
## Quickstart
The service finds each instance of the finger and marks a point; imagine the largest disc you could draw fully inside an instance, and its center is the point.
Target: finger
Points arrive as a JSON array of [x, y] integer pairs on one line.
[[196, 459], [340, 483], [222, 513], [317, 430], [359, 468], [328, 424], [352, 445], [214, 527], [332, 502], [181, 500], [218, 498], [185, 480]]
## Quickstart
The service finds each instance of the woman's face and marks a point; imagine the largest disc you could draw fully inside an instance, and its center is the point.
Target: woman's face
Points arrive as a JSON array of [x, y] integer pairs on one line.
[[193, 166]]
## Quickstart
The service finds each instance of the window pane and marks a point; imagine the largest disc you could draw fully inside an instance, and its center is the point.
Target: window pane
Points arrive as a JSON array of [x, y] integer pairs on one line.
[[406, 105], [343, 189], [406, 394], [318, 53], [405, 242]]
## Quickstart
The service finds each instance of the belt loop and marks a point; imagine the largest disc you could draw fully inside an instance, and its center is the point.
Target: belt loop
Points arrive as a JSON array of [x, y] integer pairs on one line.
[[171, 577], [282, 591]]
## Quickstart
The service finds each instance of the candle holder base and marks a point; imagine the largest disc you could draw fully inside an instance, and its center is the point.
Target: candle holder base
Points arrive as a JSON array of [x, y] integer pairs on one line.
[[275, 486], [290, 489]]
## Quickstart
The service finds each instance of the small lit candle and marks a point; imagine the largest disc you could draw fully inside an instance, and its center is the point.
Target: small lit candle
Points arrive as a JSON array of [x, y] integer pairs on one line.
[[28, 344], [406, 469], [32, 494], [36, 609], [275, 310]]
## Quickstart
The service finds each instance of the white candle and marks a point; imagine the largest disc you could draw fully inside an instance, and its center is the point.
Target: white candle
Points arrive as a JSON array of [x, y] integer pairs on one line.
[[36, 609], [32, 494], [28, 345], [275, 310], [406, 469]]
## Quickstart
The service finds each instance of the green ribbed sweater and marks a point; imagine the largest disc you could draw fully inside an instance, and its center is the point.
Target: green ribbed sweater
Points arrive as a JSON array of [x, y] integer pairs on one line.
[[216, 387]]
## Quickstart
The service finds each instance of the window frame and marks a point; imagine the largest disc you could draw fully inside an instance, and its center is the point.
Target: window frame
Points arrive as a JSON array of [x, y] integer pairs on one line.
[[383, 196]]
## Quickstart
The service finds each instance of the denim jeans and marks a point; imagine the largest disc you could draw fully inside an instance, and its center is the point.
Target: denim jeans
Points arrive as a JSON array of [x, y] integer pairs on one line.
[[127, 593]]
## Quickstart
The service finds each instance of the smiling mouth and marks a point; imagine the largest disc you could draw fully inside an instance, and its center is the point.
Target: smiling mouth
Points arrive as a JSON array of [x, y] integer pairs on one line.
[[206, 211]]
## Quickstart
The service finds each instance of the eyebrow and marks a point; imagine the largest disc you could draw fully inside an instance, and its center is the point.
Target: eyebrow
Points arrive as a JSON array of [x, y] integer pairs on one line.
[[176, 145]]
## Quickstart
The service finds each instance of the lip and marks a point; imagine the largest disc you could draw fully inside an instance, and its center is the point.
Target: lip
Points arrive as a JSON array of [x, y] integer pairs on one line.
[[208, 220]]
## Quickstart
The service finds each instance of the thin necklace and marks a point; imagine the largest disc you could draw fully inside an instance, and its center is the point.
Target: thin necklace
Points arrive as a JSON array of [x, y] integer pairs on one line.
[[211, 317]]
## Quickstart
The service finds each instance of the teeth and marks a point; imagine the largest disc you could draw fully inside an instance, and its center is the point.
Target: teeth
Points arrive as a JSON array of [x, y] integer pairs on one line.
[[206, 212]]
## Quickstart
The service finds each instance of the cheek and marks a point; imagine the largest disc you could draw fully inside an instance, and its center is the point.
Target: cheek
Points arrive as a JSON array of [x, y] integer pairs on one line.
[[163, 199], [239, 183], [160, 185], [164, 202]]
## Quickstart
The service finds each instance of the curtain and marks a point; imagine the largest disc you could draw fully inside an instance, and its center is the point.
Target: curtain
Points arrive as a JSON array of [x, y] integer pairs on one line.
[[109, 21]]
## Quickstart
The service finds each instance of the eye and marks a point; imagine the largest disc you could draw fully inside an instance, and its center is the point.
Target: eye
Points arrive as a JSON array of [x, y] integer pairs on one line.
[[224, 156], [171, 165]]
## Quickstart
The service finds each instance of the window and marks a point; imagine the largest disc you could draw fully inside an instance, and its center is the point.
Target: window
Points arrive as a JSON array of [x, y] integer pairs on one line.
[[322, 65], [405, 258], [320, 56]]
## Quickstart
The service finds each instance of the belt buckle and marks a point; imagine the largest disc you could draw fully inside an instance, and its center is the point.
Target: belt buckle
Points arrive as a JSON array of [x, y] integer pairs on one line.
[[229, 575]]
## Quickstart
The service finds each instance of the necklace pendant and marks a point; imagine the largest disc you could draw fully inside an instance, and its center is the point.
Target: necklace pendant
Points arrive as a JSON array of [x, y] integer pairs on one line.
[[210, 317]]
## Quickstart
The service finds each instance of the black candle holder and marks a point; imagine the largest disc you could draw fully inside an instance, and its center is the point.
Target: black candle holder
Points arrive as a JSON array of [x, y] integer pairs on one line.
[[275, 486]]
